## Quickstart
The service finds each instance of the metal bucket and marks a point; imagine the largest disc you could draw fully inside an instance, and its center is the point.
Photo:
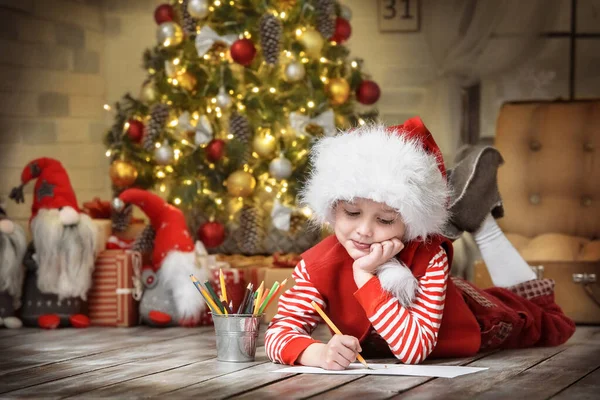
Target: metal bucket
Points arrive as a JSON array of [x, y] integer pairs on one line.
[[237, 336]]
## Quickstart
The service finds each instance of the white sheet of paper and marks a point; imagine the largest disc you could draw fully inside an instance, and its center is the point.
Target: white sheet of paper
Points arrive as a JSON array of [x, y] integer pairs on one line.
[[438, 371]]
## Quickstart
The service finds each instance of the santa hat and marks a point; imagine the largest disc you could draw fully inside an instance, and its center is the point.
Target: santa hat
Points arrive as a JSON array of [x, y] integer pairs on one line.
[[400, 166], [167, 221], [52, 190]]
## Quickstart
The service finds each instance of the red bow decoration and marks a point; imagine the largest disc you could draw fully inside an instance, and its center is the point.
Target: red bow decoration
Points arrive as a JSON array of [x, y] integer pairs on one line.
[[97, 209]]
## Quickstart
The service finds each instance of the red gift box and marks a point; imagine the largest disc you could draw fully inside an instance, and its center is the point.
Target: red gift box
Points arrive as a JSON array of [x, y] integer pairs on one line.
[[113, 298]]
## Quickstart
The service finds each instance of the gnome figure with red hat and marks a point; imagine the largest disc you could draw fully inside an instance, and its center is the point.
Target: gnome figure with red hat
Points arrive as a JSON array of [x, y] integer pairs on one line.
[[60, 260], [170, 297], [12, 249]]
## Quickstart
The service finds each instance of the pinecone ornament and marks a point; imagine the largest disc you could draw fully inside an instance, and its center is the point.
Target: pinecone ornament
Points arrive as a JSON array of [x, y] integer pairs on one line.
[[325, 10], [158, 118], [251, 232], [270, 38], [121, 219], [240, 128], [145, 242], [188, 22]]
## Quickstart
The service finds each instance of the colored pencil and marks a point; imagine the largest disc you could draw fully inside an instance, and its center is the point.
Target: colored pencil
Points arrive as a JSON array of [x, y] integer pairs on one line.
[[335, 329], [259, 293], [213, 294], [205, 295], [242, 306], [223, 287], [268, 297], [276, 294], [225, 307]]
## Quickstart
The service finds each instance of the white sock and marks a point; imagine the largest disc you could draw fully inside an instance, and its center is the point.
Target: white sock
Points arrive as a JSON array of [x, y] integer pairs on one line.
[[503, 261]]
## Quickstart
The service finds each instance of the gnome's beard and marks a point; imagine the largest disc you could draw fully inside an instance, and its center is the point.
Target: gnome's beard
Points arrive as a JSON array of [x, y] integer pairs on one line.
[[12, 250], [65, 254], [175, 272]]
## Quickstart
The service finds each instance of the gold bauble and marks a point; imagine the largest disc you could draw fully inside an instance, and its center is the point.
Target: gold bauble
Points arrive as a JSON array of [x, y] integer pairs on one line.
[[312, 42], [148, 92], [241, 184], [122, 174], [187, 81], [338, 90], [264, 144]]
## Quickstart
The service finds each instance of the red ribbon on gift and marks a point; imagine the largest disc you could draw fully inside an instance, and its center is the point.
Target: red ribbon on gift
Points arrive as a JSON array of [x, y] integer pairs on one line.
[[114, 243], [97, 209]]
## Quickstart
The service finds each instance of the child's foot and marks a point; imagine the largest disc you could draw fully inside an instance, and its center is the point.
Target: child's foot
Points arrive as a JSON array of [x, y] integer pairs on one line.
[[474, 185]]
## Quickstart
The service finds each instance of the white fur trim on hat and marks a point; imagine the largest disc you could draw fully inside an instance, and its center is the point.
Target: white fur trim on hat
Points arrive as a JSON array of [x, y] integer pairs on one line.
[[383, 166], [397, 279]]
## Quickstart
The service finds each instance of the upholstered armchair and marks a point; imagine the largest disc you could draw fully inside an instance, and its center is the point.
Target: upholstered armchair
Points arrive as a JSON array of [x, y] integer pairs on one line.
[[550, 185]]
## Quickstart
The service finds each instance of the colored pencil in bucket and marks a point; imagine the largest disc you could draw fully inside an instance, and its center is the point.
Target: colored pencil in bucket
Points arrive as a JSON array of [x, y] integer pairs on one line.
[[242, 306], [209, 301], [214, 296], [223, 287]]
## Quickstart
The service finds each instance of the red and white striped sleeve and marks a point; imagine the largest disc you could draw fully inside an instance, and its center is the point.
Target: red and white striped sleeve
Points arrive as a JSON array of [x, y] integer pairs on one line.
[[411, 333], [289, 332]]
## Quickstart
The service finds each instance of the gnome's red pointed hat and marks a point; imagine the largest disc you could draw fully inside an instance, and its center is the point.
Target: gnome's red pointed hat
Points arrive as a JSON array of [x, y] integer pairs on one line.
[[53, 188], [168, 222], [400, 166]]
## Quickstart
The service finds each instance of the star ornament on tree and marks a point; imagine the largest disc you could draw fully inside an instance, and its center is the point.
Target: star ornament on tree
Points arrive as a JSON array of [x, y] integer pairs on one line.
[[45, 190]]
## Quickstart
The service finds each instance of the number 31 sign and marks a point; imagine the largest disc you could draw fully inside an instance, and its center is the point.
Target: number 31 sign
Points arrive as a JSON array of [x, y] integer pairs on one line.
[[399, 15]]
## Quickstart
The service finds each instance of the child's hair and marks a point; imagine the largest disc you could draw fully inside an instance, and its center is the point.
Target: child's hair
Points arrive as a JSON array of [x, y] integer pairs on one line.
[[400, 166]]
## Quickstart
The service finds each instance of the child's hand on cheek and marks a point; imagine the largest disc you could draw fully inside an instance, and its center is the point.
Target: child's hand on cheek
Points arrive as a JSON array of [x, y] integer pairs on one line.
[[379, 254]]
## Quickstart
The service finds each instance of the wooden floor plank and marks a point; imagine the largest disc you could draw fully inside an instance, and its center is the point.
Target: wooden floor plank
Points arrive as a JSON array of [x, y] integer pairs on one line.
[[193, 368], [99, 377], [550, 377], [233, 383], [502, 366], [586, 388], [80, 367]]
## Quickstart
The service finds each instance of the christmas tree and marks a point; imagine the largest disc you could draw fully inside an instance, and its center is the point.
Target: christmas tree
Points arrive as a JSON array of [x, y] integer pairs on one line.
[[236, 93]]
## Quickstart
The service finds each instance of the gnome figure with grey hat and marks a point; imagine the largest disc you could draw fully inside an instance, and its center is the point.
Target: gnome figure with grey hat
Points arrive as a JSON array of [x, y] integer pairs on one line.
[[12, 249]]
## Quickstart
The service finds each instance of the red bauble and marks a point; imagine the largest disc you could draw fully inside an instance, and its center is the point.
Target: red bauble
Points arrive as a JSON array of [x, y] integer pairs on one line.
[[243, 51], [79, 321], [215, 150], [135, 130], [48, 321], [368, 92], [163, 13], [212, 234], [343, 30]]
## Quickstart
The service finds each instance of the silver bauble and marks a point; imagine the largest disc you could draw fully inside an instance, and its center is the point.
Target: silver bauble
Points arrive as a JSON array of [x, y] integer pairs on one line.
[[164, 154], [345, 12], [117, 204], [281, 167], [223, 99], [294, 71], [198, 8], [169, 34]]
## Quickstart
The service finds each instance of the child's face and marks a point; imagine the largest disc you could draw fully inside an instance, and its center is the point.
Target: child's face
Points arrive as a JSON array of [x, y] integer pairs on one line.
[[360, 223]]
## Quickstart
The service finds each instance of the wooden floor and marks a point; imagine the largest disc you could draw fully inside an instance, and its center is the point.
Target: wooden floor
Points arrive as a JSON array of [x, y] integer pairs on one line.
[[181, 363]]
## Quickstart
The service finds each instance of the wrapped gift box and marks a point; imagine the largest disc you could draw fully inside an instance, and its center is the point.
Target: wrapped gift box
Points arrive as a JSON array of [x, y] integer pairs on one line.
[[104, 228], [113, 298]]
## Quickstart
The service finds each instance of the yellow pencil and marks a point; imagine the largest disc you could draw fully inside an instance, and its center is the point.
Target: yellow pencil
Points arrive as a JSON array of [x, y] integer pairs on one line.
[[223, 288], [335, 329], [210, 300], [259, 293]]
